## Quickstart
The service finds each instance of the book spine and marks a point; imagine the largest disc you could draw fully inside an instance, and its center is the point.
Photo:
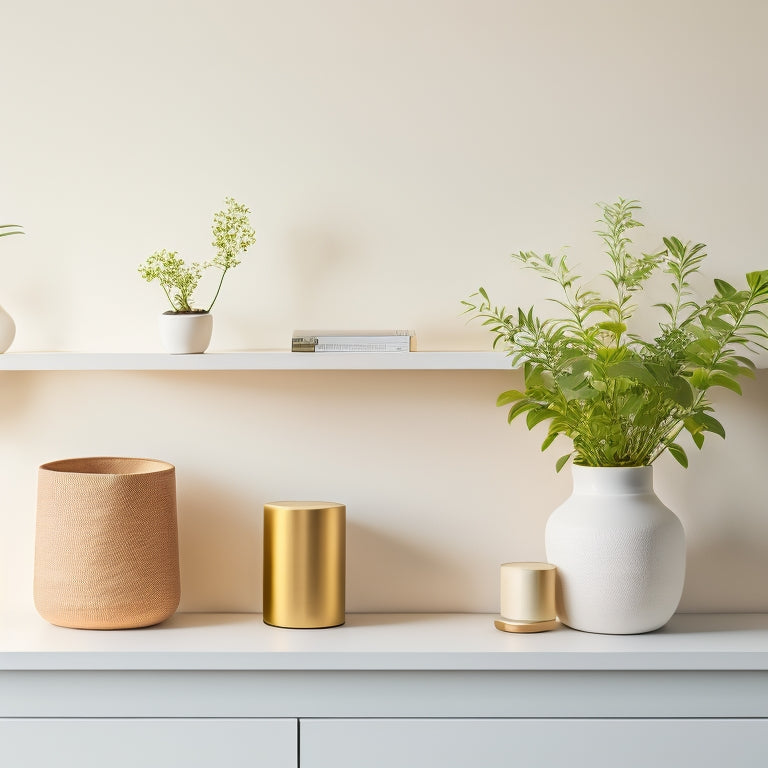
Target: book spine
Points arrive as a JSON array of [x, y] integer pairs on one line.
[[362, 346]]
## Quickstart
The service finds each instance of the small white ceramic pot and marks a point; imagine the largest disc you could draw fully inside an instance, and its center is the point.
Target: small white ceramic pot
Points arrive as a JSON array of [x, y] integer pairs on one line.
[[184, 333], [619, 552], [7, 330]]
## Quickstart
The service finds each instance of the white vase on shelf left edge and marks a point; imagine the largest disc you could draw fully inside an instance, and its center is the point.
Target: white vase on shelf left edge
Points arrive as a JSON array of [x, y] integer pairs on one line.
[[7, 330]]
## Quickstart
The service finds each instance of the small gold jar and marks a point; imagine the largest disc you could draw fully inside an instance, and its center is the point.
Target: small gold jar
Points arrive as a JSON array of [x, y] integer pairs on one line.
[[527, 597], [304, 564]]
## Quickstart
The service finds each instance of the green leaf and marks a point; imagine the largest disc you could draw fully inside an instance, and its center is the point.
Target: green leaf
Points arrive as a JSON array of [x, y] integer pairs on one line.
[[521, 407], [549, 440], [510, 396], [631, 369], [698, 438], [581, 364], [538, 415], [721, 380], [680, 391], [758, 281], [659, 372], [632, 405], [700, 378], [612, 327], [705, 345], [724, 289], [576, 387], [562, 461], [678, 454], [571, 381], [709, 423]]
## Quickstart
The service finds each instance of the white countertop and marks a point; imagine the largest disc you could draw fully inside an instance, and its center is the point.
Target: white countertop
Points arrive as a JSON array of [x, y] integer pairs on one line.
[[230, 641]]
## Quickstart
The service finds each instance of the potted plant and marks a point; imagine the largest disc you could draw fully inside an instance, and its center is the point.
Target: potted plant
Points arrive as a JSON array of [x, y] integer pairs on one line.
[[623, 400], [7, 326], [186, 328]]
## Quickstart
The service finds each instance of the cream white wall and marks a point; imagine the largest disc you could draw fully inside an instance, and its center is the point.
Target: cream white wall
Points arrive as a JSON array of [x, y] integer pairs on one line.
[[393, 154]]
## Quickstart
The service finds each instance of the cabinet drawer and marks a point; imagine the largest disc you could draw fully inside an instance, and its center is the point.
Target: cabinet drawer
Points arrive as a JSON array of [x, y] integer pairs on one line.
[[597, 743], [127, 743]]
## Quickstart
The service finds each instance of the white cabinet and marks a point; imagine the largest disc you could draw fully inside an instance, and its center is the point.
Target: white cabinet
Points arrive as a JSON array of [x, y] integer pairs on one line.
[[592, 743], [127, 743]]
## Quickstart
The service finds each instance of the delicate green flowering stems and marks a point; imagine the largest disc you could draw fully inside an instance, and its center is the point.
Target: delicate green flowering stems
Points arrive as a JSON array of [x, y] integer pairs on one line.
[[177, 279], [622, 399], [233, 235]]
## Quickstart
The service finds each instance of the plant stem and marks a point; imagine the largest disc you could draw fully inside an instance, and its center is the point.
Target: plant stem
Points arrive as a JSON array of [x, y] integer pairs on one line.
[[168, 296], [223, 272]]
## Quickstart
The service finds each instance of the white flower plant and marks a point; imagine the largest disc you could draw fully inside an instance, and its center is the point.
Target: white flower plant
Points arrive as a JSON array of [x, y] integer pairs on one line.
[[233, 235]]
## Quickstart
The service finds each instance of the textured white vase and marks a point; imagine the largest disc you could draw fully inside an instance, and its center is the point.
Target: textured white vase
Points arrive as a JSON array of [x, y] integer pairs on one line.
[[7, 330], [619, 552], [184, 333]]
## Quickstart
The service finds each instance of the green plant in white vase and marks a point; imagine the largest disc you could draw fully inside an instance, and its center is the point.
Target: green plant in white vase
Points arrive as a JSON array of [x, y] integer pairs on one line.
[[233, 235], [623, 400]]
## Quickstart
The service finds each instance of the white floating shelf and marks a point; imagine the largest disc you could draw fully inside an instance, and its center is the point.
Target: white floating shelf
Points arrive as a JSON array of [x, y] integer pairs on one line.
[[255, 361]]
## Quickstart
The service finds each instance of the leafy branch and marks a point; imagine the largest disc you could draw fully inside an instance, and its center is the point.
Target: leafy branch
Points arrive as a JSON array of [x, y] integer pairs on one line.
[[623, 400]]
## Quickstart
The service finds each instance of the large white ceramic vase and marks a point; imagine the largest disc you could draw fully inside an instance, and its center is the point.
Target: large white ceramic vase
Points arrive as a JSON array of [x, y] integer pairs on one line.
[[619, 552]]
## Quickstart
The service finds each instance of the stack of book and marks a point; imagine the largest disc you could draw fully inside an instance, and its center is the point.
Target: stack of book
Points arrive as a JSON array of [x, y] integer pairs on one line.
[[353, 341]]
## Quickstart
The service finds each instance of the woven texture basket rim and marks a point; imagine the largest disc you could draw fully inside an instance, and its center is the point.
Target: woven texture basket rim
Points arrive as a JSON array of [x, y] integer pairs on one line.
[[69, 465]]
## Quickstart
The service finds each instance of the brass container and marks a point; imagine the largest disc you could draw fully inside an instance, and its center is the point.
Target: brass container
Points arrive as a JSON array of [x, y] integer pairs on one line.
[[304, 564], [527, 597]]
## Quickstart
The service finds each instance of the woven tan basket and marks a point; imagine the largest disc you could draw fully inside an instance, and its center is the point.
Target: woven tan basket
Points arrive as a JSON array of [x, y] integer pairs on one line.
[[106, 544]]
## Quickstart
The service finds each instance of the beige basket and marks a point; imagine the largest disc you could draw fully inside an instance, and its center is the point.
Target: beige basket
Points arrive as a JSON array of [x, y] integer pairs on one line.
[[106, 545]]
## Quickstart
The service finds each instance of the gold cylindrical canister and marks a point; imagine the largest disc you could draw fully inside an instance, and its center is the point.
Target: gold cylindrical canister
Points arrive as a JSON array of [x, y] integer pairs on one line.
[[527, 597], [304, 564]]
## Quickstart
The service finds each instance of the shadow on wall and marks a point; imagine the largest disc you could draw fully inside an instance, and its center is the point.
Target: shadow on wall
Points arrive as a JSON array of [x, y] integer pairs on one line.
[[19, 396], [313, 257], [219, 548], [382, 571], [722, 503], [727, 572]]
